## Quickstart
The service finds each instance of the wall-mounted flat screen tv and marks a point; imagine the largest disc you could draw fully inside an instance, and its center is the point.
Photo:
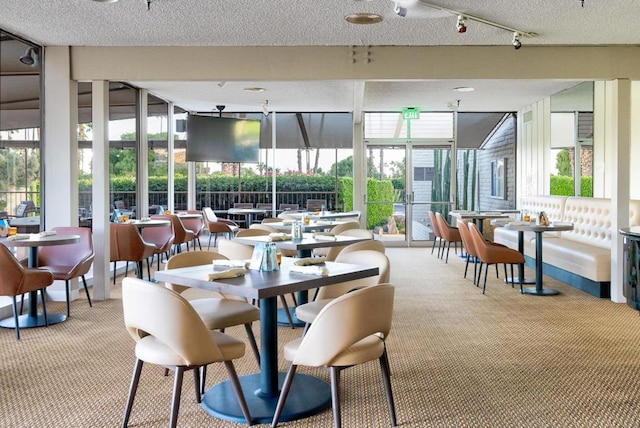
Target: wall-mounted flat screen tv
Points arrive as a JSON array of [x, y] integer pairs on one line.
[[222, 139]]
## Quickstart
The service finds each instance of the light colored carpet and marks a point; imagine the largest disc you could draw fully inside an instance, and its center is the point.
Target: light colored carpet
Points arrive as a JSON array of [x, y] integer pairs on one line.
[[458, 359]]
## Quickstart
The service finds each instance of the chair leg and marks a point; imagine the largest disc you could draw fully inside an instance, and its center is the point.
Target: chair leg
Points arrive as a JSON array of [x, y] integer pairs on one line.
[[386, 379], [114, 273], [209, 245], [286, 386], [15, 317], [435, 238], [479, 275], [44, 307], [175, 399], [505, 271], [466, 265], [198, 384], [252, 342], [203, 378], [512, 277], [484, 287], [199, 244], [285, 307], [86, 290], [67, 289], [448, 248], [137, 369], [335, 396], [233, 377]]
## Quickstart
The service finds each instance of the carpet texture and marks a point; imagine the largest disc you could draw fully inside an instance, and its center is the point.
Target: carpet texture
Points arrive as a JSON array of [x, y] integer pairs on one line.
[[458, 359]]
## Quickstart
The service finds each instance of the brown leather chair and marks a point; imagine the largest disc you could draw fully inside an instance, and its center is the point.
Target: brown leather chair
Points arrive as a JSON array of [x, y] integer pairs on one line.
[[218, 225], [491, 254], [160, 236], [289, 207], [130, 247], [16, 279], [182, 235], [241, 219], [470, 249], [437, 235], [69, 261], [316, 204], [449, 234], [196, 225]]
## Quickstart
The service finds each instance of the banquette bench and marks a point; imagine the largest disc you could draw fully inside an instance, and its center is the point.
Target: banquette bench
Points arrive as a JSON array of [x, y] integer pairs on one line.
[[580, 257]]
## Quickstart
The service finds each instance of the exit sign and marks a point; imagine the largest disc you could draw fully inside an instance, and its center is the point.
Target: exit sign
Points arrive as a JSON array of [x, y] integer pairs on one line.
[[410, 113]]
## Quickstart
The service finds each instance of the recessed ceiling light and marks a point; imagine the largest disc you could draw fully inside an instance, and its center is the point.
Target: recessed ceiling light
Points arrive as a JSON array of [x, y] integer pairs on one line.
[[464, 89], [255, 89], [105, 1], [363, 18]]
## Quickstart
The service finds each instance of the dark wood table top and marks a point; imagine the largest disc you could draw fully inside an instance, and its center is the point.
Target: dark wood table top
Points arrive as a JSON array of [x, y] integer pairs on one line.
[[259, 285]]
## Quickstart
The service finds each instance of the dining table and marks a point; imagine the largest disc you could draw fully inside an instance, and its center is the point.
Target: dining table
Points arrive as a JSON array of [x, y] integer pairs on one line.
[[478, 217], [309, 394], [538, 229], [304, 248], [34, 241], [328, 215], [312, 226], [248, 213]]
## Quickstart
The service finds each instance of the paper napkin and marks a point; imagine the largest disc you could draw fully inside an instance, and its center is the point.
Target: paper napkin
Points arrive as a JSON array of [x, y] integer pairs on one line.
[[19, 237], [229, 273], [310, 270], [309, 261]]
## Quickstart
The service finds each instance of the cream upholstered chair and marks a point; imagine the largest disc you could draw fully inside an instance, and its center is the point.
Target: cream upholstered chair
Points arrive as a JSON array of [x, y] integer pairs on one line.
[[16, 279], [448, 234], [261, 226], [216, 310], [251, 232], [217, 225], [168, 332], [69, 261], [309, 311], [332, 252], [350, 330], [490, 254], [237, 251], [337, 230]]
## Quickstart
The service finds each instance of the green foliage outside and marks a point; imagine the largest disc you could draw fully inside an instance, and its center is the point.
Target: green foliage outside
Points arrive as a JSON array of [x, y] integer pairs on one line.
[[379, 190], [563, 163], [345, 193], [563, 186], [345, 168]]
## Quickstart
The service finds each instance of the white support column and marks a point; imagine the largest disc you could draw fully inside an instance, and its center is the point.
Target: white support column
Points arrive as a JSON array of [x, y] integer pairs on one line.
[[142, 150], [359, 172], [620, 184], [171, 128], [191, 185], [100, 189], [60, 150]]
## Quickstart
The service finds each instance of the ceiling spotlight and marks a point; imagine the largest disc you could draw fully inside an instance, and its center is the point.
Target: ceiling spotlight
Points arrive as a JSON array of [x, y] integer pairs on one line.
[[461, 25], [222, 84], [106, 1], [265, 107], [30, 57], [400, 11], [516, 40]]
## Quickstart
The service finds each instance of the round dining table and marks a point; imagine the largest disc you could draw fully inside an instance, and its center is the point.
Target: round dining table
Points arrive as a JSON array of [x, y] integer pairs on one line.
[[33, 242]]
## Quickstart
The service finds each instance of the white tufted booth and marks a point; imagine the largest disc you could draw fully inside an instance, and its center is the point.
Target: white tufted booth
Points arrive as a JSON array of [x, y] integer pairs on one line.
[[584, 251]]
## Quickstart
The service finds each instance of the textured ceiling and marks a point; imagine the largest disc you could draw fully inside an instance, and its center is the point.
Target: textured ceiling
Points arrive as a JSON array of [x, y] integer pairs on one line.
[[309, 22]]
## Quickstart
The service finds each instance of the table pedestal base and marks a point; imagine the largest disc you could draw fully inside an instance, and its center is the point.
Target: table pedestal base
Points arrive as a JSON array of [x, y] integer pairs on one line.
[[26, 321], [308, 396], [283, 321], [516, 280], [542, 292]]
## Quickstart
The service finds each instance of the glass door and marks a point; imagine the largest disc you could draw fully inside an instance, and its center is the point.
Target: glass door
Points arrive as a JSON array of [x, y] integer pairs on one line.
[[404, 182]]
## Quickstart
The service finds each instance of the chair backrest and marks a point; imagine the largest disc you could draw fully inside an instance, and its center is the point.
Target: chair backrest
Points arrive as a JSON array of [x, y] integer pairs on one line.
[[289, 207], [160, 236], [316, 204], [345, 321], [70, 254], [179, 230], [24, 208], [242, 205], [271, 220], [150, 309], [130, 245], [479, 243], [447, 231], [434, 224], [188, 259], [253, 232], [209, 215], [341, 227], [373, 245], [260, 226], [467, 240], [119, 205], [332, 252], [196, 225], [11, 273], [235, 250], [264, 206], [364, 258]]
